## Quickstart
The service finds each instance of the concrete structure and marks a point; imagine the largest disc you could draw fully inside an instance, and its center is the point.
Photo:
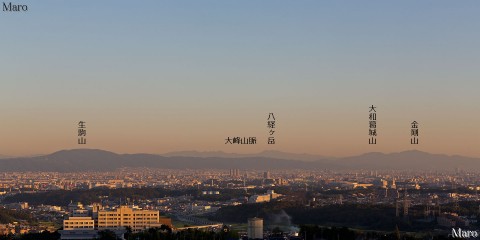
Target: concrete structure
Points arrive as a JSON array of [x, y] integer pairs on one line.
[[136, 219], [74, 206], [234, 173], [77, 227], [73, 223], [255, 228], [270, 195]]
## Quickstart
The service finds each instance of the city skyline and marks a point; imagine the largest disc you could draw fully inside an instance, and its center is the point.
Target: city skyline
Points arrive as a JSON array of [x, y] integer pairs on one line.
[[186, 76]]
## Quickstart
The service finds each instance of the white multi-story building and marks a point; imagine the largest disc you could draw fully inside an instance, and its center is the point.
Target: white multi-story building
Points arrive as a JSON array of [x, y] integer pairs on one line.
[[264, 197], [136, 219], [73, 223], [117, 220]]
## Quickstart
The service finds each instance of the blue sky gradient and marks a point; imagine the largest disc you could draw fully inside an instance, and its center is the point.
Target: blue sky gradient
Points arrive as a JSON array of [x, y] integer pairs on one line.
[[159, 76]]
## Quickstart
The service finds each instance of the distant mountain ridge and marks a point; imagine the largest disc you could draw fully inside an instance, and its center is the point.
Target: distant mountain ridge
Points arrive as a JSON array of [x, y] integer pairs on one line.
[[99, 160], [267, 154], [76, 160]]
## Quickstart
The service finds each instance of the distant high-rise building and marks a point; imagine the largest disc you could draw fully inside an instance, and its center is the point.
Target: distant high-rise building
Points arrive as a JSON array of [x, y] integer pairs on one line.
[[266, 175], [255, 228], [234, 173], [394, 186]]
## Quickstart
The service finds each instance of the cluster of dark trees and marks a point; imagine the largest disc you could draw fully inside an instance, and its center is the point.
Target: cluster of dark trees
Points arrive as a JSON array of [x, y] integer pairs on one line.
[[312, 232], [87, 196], [63, 197], [355, 215], [9, 216], [307, 232], [362, 216], [46, 235], [162, 233], [166, 233]]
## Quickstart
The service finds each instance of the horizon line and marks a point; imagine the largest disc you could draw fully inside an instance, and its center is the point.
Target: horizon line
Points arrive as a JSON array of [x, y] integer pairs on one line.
[[233, 153]]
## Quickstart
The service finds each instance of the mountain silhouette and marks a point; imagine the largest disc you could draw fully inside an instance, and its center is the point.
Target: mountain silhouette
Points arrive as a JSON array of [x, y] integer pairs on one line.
[[76, 160], [266, 154]]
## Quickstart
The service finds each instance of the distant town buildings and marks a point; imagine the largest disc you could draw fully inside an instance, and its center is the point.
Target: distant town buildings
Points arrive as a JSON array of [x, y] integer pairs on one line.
[[95, 219], [270, 195], [207, 191], [234, 173]]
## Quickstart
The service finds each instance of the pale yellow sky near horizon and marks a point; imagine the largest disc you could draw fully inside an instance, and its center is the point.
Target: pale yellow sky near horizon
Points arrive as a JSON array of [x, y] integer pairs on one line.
[[330, 133]]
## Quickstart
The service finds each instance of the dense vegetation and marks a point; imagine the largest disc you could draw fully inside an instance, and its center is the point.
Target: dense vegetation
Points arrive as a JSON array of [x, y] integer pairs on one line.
[[46, 235], [9, 216], [165, 233], [64, 197], [312, 232], [363, 216]]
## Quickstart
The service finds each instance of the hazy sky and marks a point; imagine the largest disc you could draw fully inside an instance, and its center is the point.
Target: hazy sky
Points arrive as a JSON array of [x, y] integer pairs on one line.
[[160, 76]]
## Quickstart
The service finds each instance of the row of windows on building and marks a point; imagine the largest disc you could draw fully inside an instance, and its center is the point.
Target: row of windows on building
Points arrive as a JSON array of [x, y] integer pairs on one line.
[[127, 215]]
